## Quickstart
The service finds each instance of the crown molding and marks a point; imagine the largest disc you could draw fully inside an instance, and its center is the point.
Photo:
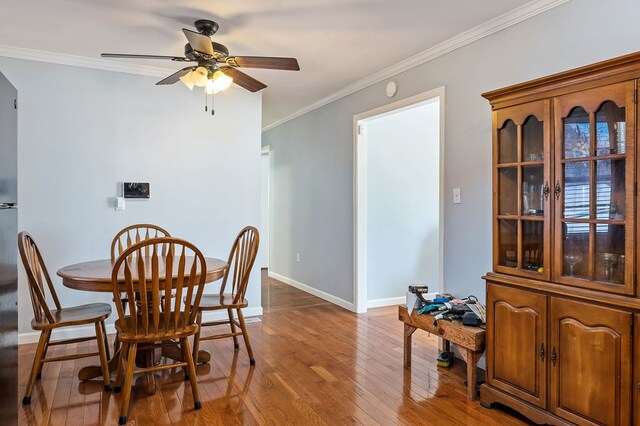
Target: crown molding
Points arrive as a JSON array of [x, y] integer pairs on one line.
[[81, 61], [522, 13]]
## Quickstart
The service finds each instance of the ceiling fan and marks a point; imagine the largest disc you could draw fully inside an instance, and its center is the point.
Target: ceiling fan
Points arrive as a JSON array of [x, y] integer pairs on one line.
[[213, 67]]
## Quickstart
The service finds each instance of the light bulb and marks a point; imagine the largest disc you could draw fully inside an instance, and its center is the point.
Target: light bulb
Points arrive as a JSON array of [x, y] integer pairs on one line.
[[199, 76], [186, 79]]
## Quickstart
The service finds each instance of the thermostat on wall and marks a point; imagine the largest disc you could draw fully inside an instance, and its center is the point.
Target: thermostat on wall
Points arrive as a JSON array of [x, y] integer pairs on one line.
[[136, 190]]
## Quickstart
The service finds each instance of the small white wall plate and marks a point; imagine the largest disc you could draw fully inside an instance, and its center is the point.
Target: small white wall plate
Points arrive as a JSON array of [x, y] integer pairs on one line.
[[391, 89]]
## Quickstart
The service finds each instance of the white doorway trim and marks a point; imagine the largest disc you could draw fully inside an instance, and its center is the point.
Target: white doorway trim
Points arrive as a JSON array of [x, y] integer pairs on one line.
[[265, 240], [360, 191]]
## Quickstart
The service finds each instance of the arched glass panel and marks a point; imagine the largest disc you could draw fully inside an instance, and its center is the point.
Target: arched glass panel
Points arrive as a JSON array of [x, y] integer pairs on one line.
[[508, 143], [611, 129], [532, 140], [576, 134]]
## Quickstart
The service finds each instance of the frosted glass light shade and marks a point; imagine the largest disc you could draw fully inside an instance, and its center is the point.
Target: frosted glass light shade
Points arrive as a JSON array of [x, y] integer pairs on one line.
[[186, 79], [199, 76], [218, 83], [221, 80]]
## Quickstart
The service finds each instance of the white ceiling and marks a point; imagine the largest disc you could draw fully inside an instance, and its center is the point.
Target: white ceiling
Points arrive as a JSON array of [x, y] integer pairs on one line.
[[337, 42]]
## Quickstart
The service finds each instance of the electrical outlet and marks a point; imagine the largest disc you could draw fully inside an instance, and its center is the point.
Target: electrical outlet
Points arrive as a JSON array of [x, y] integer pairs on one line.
[[297, 257]]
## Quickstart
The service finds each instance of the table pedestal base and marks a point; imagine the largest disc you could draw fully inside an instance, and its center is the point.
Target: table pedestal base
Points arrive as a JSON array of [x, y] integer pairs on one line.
[[144, 358]]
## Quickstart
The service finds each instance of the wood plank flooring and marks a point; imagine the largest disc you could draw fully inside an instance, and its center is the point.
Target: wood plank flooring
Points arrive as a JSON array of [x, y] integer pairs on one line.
[[316, 364]]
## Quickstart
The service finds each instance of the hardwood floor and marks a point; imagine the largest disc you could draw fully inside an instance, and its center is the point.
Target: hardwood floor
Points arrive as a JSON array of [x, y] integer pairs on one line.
[[317, 364]]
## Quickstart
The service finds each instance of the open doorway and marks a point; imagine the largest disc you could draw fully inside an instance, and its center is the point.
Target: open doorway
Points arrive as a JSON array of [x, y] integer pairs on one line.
[[398, 199]]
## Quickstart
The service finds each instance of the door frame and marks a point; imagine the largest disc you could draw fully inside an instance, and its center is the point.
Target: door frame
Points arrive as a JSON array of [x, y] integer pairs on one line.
[[360, 213], [266, 238]]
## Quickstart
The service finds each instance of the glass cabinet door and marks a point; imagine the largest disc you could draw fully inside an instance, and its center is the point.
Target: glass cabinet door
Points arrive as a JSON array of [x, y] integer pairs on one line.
[[594, 187], [522, 199]]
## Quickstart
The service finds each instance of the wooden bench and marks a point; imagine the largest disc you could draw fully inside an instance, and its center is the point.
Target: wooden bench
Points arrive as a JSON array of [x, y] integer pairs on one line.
[[470, 341]]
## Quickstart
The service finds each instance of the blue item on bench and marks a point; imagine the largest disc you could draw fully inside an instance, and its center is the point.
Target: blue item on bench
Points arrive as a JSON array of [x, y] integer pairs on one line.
[[430, 308]]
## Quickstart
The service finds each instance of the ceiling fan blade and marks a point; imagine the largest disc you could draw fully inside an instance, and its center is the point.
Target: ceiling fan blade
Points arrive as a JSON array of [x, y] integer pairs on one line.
[[266, 62], [126, 55], [200, 43], [243, 80], [175, 77]]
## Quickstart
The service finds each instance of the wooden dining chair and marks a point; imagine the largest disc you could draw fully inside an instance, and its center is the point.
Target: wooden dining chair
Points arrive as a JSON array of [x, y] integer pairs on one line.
[[241, 259], [156, 321], [134, 234], [124, 239], [46, 319]]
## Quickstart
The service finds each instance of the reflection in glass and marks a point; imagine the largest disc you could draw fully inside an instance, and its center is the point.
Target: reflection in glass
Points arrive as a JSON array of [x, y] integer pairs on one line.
[[576, 134], [532, 195], [508, 143], [508, 184], [576, 250], [508, 243], [610, 189], [611, 129], [532, 245], [576, 190], [532, 140], [610, 240]]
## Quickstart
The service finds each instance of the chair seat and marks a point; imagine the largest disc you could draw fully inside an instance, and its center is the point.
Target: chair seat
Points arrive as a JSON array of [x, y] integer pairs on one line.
[[142, 336], [210, 302], [76, 315]]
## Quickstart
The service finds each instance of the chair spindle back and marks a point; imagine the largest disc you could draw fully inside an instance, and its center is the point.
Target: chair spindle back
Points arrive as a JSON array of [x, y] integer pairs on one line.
[[135, 272], [134, 234], [241, 259], [37, 275]]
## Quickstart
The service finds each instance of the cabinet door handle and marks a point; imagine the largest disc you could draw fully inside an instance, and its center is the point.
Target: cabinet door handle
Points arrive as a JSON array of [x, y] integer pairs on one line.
[[546, 190], [557, 190], [541, 351], [553, 355]]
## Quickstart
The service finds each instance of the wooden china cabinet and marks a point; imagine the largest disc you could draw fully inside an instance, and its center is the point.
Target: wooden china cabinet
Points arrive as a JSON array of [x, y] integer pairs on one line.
[[563, 308]]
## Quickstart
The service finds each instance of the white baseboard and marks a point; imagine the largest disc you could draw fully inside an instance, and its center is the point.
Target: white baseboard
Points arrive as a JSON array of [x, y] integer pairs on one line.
[[255, 311], [89, 330], [391, 301], [314, 291]]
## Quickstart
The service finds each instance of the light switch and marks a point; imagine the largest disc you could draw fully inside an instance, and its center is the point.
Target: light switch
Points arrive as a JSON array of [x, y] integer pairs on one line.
[[119, 203], [456, 196]]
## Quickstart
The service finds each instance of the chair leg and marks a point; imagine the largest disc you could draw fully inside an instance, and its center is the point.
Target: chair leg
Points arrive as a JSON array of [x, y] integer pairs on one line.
[[44, 355], [191, 366], [116, 341], [243, 326], [102, 351], [128, 378], [37, 364], [106, 340], [196, 337], [116, 344], [185, 369], [236, 346], [122, 363]]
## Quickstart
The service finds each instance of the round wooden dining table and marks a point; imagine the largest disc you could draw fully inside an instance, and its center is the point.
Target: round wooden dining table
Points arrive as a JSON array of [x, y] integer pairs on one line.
[[95, 276]]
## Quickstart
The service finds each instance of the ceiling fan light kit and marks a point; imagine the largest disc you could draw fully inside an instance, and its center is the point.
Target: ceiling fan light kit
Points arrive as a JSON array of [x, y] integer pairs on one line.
[[215, 69]]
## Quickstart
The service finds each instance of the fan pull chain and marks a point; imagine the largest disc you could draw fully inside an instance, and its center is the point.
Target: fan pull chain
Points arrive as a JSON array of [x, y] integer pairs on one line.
[[205, 101], [213, 112]]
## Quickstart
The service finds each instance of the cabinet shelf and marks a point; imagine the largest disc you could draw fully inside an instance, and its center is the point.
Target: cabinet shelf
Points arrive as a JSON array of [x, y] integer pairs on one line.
[[594, 157]]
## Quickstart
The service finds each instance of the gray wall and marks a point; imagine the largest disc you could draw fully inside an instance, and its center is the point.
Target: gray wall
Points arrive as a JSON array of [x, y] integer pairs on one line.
[[403, 180], [81, 131], [313, 154]]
